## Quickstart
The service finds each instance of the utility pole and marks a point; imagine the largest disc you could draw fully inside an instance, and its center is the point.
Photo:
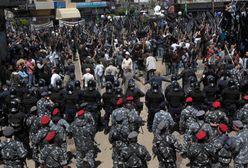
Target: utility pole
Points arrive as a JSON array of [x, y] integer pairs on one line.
[[3, 37], [213, 6]]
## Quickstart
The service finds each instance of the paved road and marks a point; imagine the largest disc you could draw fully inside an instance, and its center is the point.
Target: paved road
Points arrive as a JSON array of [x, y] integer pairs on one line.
[[104, 157]]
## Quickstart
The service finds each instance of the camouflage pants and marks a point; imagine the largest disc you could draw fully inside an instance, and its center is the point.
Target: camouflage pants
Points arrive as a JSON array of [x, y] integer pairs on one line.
[[220, 165], [237, 165], [85, 159], [167, 165], [116, 154]]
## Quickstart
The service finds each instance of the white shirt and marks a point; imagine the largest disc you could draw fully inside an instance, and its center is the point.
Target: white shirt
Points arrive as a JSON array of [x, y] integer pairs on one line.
[[87, 77], [99, 70], [151, 63], [174, 46], [54, 78], [127, 64]]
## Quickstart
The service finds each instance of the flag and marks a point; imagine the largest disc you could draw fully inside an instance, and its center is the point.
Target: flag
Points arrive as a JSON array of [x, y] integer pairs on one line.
[[185, 8]]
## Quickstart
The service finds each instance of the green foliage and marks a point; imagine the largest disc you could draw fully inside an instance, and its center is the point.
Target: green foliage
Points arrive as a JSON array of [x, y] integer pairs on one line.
[[24, 22]]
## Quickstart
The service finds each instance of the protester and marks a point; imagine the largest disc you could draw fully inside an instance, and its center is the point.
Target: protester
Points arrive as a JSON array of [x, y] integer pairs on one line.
[[43, 70]]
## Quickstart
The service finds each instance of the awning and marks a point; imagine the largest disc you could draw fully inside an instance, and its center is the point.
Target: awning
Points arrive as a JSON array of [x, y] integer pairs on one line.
[[67, 13], [92, 4]]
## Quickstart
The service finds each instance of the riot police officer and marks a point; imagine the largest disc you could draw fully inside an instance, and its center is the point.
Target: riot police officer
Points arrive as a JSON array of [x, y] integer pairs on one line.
[[154, 99], [93, 98], [107, 104]]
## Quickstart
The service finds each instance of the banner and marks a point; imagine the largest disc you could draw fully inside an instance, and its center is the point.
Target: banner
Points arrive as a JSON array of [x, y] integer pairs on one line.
[[41, 26], [71, 24]]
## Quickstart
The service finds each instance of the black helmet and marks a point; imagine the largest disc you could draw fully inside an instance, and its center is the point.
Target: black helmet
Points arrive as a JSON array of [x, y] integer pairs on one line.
[[22, 83], [42, 82], [91, 84], [14, 105], [116, 83], [131, 84], [173, 78], [72, 76], [228, 73], [50, 89], [176, 86], [77, 84], [192, 79], [231, 84], [12, 92], [30, 90], [211, 79], [59, 82], [109, 87], [197, 86], [119, 92], [69, 88], [155, 87]]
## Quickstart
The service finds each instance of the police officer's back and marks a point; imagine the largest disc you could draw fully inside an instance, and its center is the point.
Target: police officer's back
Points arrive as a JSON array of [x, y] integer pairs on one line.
[[13, 152], [165, 146], [230, 97], [200, 153], [134, 154]]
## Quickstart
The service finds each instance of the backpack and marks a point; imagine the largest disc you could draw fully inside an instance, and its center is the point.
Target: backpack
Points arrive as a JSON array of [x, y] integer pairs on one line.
[[135, 160]]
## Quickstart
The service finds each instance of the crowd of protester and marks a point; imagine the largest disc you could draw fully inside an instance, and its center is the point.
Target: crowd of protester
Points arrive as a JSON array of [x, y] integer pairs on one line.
[[43, 104]]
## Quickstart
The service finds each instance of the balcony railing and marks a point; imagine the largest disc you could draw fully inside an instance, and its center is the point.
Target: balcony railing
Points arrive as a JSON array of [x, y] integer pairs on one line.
[[200, 1]]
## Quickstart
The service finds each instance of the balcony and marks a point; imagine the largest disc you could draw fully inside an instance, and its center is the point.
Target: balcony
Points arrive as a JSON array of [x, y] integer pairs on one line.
[[200, 1]]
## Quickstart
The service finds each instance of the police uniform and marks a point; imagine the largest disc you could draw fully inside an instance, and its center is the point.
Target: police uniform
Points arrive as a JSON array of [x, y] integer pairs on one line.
[[175, 97], [134, 120], [37, 139], [165, 146], [162, 116], [154, 99], [118, 138], [83, 134], [215, 117], [59, 125], [52, 156], [122, 111], [107, 104], [13, 152], [93, 98], [223, 146], [136, 93], [134, 154], [44, 104], [241, 146], [29, 100], [242, 115], [17, 121], [188, 116], [230, 98], [196, 127], [200, 153], [71, 101]]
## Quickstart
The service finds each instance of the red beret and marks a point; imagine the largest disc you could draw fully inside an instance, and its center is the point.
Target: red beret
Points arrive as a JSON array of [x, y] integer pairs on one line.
[[119, 102], [80, 113], [50, 136], [216, 104], [44, 120], [130, 98], [189, 100], [223, 128], [201, 135], [245, 97], [55, 112]]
